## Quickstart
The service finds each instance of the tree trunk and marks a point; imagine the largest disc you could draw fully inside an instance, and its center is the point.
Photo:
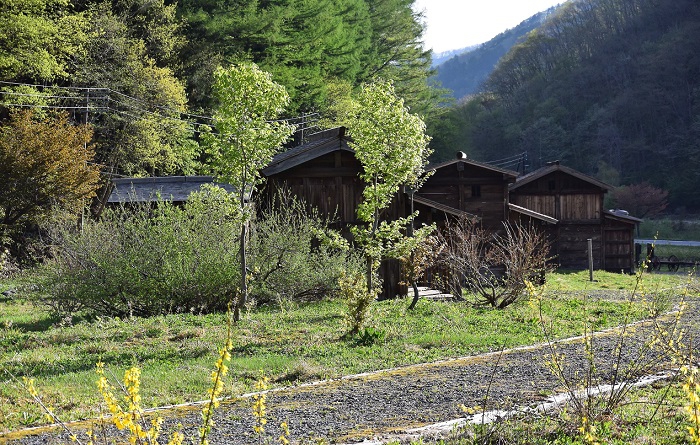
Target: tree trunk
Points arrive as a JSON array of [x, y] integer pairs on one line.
[[415, 295], [369, 272], [243, 297]]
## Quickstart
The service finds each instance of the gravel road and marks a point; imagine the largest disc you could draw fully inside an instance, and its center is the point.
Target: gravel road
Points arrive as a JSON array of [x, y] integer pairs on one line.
[[388, 403]]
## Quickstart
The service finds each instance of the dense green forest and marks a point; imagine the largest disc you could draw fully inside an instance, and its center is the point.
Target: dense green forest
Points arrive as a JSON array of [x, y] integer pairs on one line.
[[140, 71], [609, 87]]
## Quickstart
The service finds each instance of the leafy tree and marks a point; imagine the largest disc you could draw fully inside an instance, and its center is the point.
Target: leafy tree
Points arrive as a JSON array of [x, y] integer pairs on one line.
[[43, 163], [246, 138], [392, 147], [301, 42], [642, 200], [38, 39], [143, 133]]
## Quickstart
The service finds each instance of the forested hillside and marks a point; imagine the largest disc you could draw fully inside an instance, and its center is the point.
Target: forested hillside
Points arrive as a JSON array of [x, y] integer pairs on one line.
[[464, 73], [140, 71], [610, 87]]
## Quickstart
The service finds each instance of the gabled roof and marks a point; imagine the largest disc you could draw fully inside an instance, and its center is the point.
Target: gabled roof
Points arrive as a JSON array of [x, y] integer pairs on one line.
[[462, 159], [165, 188], [442, 207], [554, 167], [317, 145], [531, 213]]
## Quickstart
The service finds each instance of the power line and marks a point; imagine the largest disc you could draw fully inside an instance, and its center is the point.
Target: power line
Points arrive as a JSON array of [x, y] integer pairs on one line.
[[59, 107], [4, 82], [118, 93]]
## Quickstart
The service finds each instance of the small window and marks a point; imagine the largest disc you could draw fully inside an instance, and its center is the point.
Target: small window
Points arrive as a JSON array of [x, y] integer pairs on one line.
[[476, 191], [552, 185]]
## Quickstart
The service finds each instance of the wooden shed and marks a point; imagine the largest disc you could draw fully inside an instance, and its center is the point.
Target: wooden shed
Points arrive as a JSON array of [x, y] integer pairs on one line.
[[324, 173], [575, 200], [465, 186]]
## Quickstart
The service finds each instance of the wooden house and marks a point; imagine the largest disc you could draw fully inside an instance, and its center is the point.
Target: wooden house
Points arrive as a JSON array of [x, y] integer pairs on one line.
[[465, 186], [324, 173], [575, 201]]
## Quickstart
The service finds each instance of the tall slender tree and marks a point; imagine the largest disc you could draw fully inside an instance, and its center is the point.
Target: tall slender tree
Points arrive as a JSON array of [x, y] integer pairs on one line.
[[391, 144], [247, 136]]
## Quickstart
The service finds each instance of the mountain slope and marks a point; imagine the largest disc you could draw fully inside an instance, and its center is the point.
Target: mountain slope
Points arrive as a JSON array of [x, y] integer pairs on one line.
[[464, 73], [609, 87]]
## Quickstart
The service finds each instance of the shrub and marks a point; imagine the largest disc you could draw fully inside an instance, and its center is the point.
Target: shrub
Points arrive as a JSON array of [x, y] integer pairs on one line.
[[294, 254], [494, 266], [145, 260], [353, 288], [154, 259]]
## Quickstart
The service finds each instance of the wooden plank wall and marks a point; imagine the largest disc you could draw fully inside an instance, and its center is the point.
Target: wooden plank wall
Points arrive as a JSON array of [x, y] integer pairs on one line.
[[544, 204], [573, 207], [619, 246], [579, 207], [330, 184], [571, 245]]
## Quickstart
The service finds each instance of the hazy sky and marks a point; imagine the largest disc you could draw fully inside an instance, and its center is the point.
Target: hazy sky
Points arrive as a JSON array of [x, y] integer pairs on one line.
[[453, 24]]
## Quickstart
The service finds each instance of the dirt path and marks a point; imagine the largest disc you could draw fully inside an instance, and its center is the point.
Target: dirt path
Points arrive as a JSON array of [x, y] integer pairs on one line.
[[389, 403]]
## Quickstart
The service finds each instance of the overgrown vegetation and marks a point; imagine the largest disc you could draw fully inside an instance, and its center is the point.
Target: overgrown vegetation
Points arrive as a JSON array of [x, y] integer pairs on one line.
[[494, 267], [143, 260], [44, 166], [149, 259]]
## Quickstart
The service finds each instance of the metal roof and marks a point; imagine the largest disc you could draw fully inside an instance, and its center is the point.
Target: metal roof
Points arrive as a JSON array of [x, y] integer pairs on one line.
[[164, 188], [442, 207], [532, 213], [462, 158], [317, 145]]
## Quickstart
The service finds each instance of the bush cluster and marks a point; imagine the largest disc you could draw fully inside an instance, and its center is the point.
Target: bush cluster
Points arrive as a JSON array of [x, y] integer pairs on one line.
[[295, 255], [147, 259]]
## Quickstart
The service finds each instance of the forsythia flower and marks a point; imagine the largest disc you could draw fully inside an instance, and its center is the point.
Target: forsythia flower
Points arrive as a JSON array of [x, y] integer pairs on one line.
[[587, 431], [259, 407], [284, 437], [128, 419], [217, 378], [691, 387]]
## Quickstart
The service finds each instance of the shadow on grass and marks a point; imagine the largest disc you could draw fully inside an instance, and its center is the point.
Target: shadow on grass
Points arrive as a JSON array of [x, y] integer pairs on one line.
[[77, 363], [49, 322]]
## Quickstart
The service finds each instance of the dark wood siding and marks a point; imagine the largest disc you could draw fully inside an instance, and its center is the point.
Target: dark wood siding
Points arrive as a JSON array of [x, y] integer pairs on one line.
[[330, 184], [578, 205], [470, 188], [571, 246], [619, 245]]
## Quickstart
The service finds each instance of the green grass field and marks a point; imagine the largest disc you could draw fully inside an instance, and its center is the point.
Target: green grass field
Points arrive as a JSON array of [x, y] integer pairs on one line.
[[297, 342]]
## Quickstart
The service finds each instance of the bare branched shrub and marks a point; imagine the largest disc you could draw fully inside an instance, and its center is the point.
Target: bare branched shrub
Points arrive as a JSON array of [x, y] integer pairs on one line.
[[494, 266]]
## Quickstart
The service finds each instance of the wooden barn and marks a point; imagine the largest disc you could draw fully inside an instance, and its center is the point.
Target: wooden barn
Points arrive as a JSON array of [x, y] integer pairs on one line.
[[464, 186], [575, 201], [324, 173]]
